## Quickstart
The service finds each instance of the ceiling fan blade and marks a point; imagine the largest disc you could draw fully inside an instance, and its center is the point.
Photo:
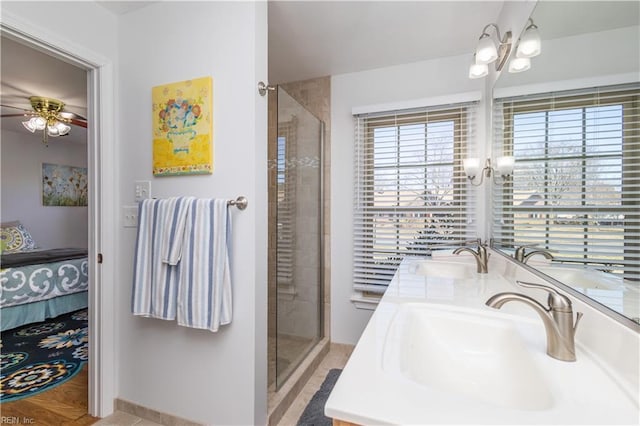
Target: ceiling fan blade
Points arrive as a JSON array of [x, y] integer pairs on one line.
[[68, 116], [79, 123], [71, 116], [12, 115]]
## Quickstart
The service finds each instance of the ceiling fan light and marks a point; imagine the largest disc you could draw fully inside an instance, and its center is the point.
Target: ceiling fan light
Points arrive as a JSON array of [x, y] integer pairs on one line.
[[39, 123], [486, 52], [29, 125], [53, 132], [63, 128]]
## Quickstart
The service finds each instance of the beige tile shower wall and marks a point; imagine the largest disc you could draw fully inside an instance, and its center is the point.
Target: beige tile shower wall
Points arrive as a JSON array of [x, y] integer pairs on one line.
[[315, 95]]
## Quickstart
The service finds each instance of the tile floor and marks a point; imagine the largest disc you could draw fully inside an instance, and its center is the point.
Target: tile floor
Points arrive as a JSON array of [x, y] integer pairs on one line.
[[336, 358], [120, 418]]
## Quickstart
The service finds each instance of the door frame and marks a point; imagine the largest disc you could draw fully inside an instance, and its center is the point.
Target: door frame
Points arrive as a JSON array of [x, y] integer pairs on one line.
[[101, 151]]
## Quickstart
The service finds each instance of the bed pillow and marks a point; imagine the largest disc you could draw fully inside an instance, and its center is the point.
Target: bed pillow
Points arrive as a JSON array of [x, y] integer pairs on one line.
[[14, 237]]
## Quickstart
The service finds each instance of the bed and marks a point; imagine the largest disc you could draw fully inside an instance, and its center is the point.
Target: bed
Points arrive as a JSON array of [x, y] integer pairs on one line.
[[37, 284]]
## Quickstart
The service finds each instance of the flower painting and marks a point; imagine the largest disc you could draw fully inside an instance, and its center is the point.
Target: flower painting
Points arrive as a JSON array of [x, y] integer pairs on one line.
[[64, 185], [183, 128]]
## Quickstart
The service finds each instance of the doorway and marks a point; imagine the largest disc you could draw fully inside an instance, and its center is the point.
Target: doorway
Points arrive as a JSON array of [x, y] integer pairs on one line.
[[44, 190], [101, 192]]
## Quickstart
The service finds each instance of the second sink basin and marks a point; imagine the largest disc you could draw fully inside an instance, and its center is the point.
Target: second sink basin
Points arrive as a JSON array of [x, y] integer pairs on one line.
[[480, 355], [448, 270]]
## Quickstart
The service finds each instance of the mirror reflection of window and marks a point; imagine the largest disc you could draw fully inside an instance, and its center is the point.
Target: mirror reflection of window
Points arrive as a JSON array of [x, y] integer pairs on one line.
[[575, 187]]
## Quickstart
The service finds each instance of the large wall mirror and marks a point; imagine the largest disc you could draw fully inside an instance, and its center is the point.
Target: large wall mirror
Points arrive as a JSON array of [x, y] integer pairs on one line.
[[571, 209]]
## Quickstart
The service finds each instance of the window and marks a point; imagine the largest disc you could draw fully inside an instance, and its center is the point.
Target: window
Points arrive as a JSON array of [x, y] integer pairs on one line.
[[576, 184], [286, 207], [411, 194]]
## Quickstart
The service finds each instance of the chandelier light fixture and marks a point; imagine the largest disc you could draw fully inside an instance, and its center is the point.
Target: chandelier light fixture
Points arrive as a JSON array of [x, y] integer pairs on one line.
[[503, 169], [488, 52], [48, 118], [529, 46]]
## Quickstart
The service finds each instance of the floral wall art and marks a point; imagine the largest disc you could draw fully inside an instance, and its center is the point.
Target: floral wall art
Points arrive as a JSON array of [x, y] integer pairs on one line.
[[64, 185], [183, 128]]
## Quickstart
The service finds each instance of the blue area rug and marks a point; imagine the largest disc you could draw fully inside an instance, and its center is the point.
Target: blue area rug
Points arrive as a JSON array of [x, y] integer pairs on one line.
[[313, 414], [38, 357]]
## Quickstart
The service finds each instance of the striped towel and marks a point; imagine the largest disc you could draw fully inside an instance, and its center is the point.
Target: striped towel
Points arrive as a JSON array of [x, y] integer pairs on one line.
[[161, 225], [204, 295]]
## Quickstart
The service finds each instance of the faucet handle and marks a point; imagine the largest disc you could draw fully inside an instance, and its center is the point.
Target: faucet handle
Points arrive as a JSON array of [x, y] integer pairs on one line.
[[557, 301]]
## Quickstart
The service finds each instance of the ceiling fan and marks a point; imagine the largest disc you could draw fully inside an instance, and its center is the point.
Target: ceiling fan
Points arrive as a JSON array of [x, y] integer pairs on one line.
[[48, 115]]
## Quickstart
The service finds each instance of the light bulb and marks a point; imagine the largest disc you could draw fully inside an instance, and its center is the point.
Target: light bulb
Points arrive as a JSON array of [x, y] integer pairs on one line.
[[29, 125], [63, 128], [39, 123], [53, 131], [486, 52], [478, 70], [530, 44], [471, 167], [519, 65], [504, 165]]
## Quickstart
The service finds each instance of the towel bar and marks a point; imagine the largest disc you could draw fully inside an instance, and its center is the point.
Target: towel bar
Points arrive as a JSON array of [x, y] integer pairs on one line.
[[241, 202]]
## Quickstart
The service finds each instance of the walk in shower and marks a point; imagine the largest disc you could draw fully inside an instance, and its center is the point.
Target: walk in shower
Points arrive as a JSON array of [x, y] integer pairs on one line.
[[295, 235]]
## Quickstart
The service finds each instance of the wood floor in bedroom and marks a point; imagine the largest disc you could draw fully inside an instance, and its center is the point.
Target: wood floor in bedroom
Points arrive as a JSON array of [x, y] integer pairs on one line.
[[66, 404]]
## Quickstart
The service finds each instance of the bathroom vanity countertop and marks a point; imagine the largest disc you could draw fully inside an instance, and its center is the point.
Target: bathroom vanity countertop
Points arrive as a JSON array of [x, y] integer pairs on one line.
[[384, 383]]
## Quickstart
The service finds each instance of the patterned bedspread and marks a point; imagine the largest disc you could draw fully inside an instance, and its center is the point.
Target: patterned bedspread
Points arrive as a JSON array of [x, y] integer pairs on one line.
[[35, 257], [26, 284]]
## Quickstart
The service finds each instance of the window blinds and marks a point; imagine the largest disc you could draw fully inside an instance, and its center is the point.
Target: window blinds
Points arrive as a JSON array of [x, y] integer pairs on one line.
[[286, 205], [576, 185], [411, 194]]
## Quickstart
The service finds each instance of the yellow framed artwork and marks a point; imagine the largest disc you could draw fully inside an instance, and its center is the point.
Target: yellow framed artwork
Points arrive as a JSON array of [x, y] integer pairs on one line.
[[183, 128]]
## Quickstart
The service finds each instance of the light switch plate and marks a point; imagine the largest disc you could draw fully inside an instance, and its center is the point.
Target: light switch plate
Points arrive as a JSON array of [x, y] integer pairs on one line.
[[130, 216], [142, 190]]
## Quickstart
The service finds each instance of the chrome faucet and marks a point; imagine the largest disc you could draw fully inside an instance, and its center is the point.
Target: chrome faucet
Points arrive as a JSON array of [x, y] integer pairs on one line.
[[520, 255], [481, 256], [557, 319]]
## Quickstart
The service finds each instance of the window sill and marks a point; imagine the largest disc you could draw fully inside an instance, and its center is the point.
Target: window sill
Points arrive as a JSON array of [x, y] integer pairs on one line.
[[362, 302]]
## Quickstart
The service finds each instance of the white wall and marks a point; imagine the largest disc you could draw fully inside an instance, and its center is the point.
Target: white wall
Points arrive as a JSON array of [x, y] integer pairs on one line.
[[83, 24], [22, 157], [441, 77], [215, 378]]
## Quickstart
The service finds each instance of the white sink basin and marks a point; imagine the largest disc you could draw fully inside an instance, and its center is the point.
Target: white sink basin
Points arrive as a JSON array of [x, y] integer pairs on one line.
[[481, 356], [583, 278], [448, 270], [424, 358]]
